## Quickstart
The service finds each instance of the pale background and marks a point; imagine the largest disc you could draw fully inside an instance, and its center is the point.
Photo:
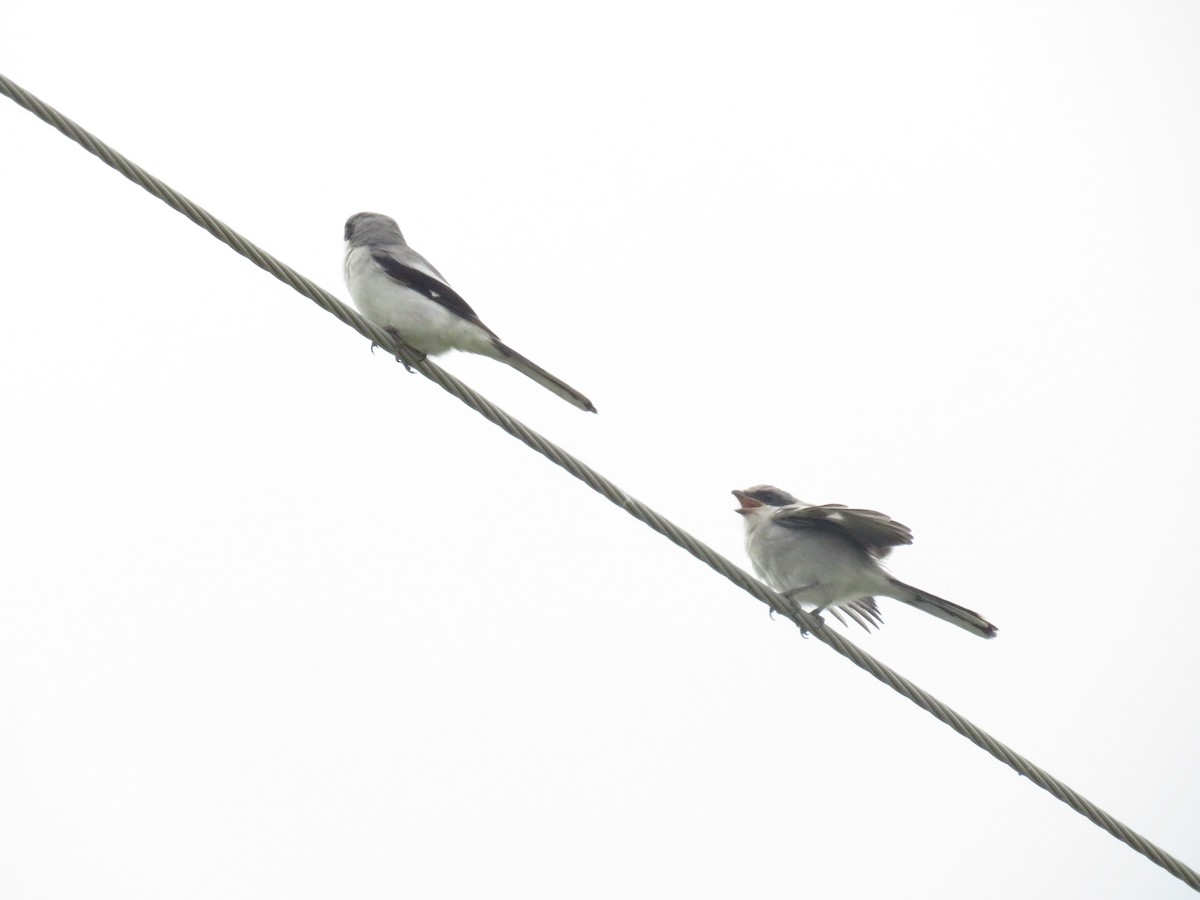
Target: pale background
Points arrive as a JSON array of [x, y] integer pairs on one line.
[[280, 620]]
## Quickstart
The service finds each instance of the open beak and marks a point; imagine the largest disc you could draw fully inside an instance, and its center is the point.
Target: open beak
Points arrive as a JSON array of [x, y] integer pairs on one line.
[[748, 503]]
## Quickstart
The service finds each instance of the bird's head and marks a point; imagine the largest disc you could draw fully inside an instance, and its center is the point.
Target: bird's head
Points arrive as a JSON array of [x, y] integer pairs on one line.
[[760, 496], [372, 228]]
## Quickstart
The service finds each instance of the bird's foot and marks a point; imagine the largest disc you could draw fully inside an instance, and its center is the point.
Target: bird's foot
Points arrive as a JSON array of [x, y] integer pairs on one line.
[[790, 597], [815, 615], [396, 336], [792, 609], [407, 367]]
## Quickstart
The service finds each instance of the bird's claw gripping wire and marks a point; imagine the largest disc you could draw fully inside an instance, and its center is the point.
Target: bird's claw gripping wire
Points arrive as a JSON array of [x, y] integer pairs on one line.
[[396, 337], [792, 613], [409, 368]]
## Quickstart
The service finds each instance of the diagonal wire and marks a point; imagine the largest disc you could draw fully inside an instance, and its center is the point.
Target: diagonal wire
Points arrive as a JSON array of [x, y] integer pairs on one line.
[[602, 485]]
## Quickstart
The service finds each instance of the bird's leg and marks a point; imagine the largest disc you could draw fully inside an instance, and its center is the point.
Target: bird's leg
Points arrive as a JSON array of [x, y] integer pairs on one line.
[[816, 614], [791, 594], [787, 595]]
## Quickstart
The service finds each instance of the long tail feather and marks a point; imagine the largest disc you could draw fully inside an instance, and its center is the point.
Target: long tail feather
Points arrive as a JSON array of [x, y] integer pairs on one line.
[[944, 609], [532, 370]]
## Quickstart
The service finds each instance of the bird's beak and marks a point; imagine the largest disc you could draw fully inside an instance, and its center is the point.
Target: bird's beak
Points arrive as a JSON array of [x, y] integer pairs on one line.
[[748, 503]]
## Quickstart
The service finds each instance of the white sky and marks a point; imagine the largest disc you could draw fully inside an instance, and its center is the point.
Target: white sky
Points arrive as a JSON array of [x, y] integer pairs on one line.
[[280, 620]]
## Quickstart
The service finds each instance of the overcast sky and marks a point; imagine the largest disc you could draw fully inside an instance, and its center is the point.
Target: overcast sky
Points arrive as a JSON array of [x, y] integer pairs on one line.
[[278, 619]]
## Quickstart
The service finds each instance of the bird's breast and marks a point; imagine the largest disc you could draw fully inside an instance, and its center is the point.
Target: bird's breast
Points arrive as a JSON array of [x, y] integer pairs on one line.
[[422, 323]]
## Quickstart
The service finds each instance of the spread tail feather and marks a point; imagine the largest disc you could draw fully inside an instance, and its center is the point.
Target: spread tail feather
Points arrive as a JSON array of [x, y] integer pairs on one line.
[[506, 354], [944, 609], [863, 611]]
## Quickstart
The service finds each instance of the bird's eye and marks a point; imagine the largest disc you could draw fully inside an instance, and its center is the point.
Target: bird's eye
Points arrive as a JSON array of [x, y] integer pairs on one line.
[[773, 498]]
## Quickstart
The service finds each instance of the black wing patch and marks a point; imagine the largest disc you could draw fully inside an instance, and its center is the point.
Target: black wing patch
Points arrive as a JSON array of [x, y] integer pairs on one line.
[[427, 286]]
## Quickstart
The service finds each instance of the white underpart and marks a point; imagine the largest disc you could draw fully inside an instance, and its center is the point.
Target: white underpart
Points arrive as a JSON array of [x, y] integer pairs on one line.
[[832, 569], [423, 324]]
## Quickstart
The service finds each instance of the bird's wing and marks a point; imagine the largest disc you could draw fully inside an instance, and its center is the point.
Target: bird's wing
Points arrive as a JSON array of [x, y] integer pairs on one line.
[[874, 531], [426, 285]]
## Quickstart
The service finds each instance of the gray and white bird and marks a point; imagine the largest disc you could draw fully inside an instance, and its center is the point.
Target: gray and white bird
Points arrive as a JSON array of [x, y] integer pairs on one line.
[[828, 556], [396, 288]]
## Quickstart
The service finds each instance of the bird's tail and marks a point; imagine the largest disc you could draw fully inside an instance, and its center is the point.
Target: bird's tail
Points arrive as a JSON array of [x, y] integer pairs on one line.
[[943, 609], [507, 354]]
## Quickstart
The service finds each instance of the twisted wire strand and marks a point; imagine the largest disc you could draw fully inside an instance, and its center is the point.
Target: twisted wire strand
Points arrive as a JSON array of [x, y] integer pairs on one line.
[[593, 479]]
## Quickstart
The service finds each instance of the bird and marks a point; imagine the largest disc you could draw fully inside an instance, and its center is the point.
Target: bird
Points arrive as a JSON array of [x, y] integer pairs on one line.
[[395, 287], [827, 556]]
